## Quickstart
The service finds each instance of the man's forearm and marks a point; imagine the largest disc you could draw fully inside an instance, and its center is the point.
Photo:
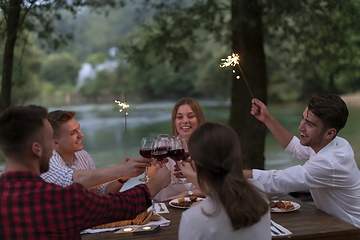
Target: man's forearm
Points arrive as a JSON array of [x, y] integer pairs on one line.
[[282, 135], [91, 178], [113, 187]]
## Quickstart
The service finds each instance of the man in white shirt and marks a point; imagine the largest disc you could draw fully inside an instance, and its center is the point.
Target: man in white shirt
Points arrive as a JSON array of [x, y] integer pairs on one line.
[[70, 163], [331, 172]]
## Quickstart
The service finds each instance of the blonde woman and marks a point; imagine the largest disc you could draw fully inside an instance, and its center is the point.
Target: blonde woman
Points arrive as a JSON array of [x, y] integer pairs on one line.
[[186, 117]]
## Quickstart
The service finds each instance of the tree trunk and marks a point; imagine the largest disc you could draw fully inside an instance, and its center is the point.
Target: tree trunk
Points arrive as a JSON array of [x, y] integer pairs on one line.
[[247, 41], [332, 85], [12, 14]]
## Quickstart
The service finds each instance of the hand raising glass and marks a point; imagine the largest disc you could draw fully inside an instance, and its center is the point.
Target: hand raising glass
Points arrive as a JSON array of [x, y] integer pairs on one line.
[[145, 151], [178, 152], [160, 149]]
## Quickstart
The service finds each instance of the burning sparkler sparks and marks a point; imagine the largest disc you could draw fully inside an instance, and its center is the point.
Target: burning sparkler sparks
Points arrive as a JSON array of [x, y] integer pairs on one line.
[[232, 61], [123, 106]]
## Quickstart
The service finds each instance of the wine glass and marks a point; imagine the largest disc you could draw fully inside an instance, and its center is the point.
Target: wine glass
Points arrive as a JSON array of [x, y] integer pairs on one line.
[[160, 149], [163, 135], [145, 151], [184, 143], [185, 157], [177, 153]]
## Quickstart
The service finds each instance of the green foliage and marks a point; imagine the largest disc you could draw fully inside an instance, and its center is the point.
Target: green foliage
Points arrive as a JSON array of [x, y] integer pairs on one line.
[[60, 68], [173, 31], [96, 33], [311, 45], [27, 65], [38, 17], [196, 77], [41, 16], [102, 85], [96, 58], [306, 41]]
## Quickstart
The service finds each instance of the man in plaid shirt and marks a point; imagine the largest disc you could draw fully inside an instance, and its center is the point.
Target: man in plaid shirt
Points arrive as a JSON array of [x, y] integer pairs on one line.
[[33, 209]]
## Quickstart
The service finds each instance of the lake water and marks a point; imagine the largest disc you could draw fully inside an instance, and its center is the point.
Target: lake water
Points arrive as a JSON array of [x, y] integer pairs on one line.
[[109, 141]]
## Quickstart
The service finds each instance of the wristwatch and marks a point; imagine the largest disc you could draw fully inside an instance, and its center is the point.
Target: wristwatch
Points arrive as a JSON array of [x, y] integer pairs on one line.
[[122, 181], [190, 193]]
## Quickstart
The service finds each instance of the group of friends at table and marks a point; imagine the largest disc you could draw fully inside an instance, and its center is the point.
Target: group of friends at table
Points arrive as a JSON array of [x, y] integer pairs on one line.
[[51, 189]]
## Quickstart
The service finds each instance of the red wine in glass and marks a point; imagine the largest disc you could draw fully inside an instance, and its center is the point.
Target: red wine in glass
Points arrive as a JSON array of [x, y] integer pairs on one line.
[[185, 155], [162, 149], [146, 152], [181, 144], [160, 155], [176, 154]]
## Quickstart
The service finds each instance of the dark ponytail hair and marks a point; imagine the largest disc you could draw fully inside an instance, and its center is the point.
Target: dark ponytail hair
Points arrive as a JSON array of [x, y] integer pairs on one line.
[[215, 148]]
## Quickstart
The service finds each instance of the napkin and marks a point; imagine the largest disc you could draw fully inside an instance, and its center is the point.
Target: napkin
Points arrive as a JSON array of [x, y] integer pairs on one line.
[[156, 208], [284, 230], [162, 222]]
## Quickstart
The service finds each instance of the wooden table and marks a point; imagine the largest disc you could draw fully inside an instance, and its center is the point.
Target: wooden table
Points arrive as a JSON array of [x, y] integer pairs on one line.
[[311, 223], [306, 223]]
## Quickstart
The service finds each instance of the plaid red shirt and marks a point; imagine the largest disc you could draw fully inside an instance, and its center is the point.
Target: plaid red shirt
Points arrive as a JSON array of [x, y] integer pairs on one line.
[[30, 208]]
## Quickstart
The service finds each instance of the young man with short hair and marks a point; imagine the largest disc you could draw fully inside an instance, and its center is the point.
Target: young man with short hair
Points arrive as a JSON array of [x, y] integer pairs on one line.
[[331, 172], [71, 163]]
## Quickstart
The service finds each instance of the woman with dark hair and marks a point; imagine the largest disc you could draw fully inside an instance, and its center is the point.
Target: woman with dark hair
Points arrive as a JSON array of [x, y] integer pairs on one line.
[[235, 207], [185, 118]]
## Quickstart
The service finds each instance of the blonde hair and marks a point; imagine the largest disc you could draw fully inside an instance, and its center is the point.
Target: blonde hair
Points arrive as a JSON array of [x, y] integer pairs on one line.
[[194, 106]]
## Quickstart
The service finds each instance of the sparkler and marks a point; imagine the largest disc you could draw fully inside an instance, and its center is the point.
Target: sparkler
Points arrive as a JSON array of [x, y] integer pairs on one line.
[[123, 106], [232, 61]]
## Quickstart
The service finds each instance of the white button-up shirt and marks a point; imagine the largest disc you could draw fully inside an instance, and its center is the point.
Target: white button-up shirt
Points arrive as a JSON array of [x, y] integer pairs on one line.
[[331, 175]]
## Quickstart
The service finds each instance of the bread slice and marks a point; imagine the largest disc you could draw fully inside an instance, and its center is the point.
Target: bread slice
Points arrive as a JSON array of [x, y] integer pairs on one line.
[[113, 224], [140, 219]]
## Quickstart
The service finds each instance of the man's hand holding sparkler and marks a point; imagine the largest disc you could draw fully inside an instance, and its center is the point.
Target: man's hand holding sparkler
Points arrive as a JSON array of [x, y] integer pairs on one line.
[[259, 110]]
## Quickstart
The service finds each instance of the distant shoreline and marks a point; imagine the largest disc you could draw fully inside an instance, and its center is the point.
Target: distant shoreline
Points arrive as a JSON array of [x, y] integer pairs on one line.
[[351, 99]]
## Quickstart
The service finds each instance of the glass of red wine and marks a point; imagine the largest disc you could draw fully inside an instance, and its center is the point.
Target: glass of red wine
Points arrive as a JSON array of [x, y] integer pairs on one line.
[[176, 152], [185, 157], [160, 149], [163, 135], [184, 143], [145, 151]]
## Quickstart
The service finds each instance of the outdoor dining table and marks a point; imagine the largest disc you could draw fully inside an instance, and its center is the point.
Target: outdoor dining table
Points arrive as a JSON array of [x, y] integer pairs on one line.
[[305, 223]]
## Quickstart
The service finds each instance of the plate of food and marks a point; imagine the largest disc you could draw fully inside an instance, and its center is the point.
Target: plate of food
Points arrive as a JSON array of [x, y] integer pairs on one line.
[[185, 202], [283, 206]]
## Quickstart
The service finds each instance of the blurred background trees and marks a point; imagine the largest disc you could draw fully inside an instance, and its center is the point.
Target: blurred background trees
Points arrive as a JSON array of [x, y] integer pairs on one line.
[[23, 17], [309, 46], [305, 42]]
